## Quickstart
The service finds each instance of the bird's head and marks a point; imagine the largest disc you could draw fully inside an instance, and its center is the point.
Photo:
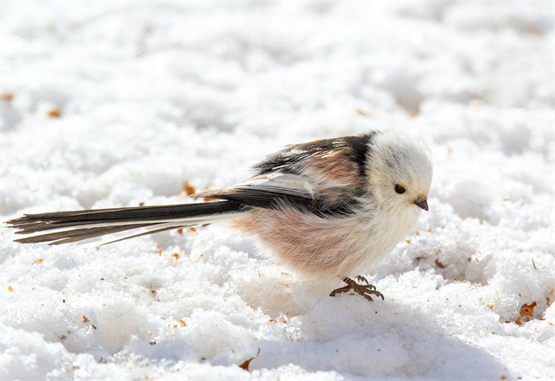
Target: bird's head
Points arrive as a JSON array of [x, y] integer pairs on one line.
[[399, 172]]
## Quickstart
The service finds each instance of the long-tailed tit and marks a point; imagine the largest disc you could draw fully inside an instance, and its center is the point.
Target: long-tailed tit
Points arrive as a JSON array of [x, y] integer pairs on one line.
[[327, 208]]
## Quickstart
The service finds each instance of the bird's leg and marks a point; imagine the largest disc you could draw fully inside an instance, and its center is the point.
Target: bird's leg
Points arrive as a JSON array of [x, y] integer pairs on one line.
[[340, 290], [361, 289]]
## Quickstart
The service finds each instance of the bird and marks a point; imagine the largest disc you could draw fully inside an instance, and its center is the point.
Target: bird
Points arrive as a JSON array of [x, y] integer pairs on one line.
[[329, 208]]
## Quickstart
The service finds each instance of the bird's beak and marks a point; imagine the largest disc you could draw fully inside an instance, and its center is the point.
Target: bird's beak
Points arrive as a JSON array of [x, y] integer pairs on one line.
[[422, 204]]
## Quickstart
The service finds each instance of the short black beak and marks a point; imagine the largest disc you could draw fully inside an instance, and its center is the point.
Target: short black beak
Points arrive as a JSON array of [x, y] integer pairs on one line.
[[422, 204]]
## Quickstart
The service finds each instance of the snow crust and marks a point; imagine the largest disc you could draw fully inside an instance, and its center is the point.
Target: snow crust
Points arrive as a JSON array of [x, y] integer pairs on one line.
[[153, 94]]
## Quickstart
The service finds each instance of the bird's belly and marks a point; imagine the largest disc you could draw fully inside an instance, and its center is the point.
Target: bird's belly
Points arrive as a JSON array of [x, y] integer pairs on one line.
[[316, 246]]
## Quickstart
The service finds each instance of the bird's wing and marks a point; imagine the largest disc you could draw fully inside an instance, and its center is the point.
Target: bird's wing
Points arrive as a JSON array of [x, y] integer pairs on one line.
[[263, 190], [325, 163], [322, 176], [319, 176], [278, 189]]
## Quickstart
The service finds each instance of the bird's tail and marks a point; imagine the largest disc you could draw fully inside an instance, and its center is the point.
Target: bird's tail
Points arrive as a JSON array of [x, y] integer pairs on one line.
[[102, 226]]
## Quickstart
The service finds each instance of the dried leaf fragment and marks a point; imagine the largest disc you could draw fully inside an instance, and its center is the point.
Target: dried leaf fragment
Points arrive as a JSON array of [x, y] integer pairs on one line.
[[245, 365], [490, 306], [518, 322], [176, 256], [38, 261], [439, 264], [54, 113], [6, 97], [188, 188], [85, 319], [192, 229], [10, 289], [527, 311], [182, 322]]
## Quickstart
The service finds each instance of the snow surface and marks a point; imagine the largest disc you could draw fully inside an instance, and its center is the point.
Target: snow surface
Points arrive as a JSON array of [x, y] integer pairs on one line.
[[153, 94]]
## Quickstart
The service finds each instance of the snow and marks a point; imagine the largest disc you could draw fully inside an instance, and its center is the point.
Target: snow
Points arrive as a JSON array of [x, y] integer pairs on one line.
[[153, 94]]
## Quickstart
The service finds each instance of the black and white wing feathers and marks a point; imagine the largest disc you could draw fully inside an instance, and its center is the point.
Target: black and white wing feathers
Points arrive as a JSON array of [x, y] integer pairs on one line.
[[323, 177]]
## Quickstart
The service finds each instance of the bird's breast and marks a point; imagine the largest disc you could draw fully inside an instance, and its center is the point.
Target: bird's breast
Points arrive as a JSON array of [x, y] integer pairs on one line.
[[319, 246]]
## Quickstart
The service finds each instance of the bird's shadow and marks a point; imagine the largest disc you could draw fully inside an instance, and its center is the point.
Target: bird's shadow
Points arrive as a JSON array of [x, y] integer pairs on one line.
[[362, 340]]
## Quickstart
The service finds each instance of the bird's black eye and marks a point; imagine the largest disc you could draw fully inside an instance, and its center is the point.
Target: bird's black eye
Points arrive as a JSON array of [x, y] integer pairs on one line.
[[400, 188]]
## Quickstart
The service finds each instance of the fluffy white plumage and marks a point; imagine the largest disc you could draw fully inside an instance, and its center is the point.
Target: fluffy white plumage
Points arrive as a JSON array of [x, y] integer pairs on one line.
[[345, 246]]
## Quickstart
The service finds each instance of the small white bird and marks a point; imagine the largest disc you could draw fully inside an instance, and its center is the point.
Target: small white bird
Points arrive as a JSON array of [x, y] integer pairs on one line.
[[327, 208]]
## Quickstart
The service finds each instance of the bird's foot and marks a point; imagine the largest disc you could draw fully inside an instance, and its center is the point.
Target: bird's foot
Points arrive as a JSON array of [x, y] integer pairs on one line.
[[360, 278], [365, 290]]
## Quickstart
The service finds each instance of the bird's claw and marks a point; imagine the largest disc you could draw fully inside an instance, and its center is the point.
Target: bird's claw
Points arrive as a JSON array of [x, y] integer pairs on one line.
[[360, 278], [361, 289]]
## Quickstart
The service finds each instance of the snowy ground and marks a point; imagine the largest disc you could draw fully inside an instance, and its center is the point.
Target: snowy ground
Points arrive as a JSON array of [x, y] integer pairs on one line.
[[113, 104]]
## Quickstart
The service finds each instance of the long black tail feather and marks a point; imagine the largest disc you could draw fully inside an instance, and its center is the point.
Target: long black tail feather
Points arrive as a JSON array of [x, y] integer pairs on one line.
[[73, 226]]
